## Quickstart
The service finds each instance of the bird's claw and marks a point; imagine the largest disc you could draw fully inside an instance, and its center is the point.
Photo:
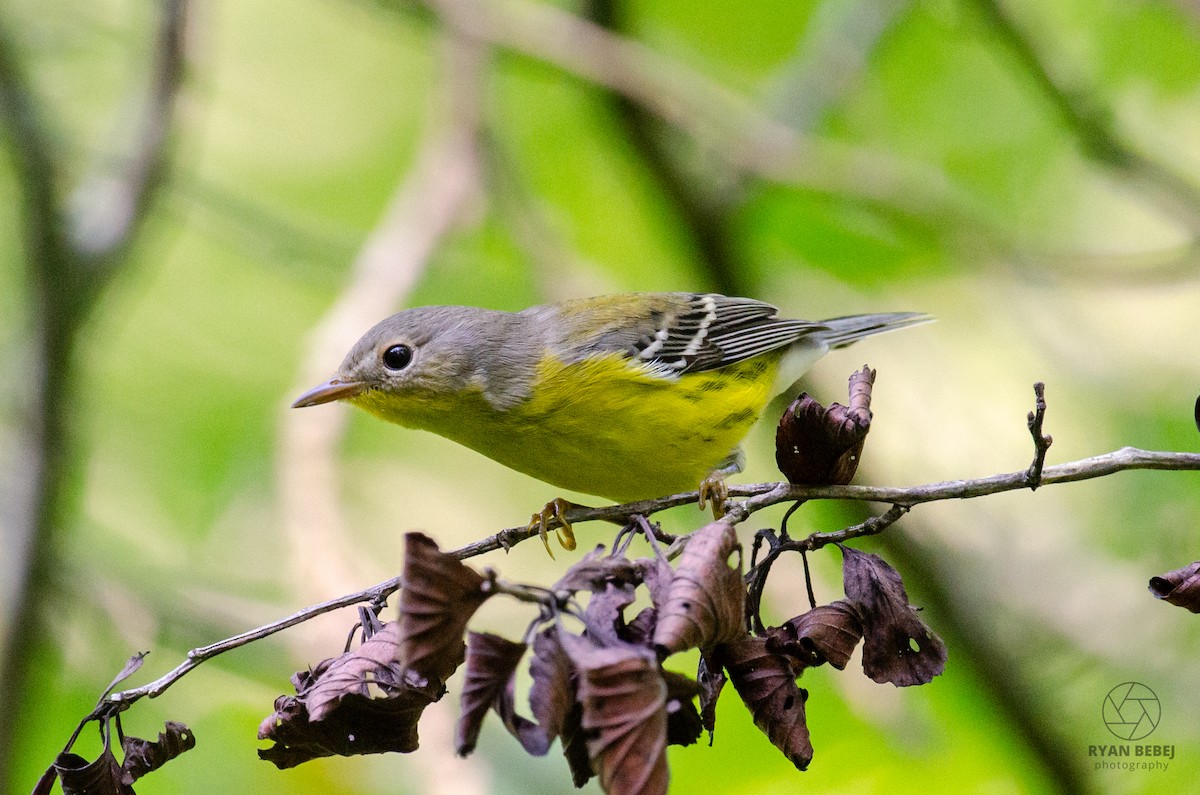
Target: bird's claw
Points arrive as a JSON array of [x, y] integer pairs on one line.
[[554, 513], [714, 489]]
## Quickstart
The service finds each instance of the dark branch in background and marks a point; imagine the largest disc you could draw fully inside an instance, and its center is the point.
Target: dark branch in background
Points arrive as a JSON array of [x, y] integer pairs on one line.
[[997, 666], [703, 215], [110, 203], [716, 119], [1093, 126], [832, 55], [48, 262], [66, 274]]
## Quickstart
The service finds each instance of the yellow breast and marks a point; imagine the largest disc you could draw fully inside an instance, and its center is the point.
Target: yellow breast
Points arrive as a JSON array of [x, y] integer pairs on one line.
[[606, 426]]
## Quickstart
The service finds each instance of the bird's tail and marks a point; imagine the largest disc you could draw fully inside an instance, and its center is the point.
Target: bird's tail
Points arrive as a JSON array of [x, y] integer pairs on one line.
[[843, 331]]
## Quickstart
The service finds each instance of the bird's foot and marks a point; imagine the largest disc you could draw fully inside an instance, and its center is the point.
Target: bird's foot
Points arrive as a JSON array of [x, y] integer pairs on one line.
[[555, 513], [714, 489]]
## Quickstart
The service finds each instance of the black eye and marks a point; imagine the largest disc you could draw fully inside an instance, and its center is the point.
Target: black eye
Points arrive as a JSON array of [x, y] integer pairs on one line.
[[397, 357]]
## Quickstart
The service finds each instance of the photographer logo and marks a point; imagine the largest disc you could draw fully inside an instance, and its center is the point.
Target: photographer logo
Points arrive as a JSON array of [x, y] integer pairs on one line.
[[1131, 711]]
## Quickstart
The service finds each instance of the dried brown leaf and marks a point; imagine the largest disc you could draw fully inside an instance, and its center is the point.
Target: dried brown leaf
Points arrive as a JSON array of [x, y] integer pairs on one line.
[[575, 746], [491, 663], [552, 701], [827, 633], [657, 575], [439, 597], [767, 684], [641, 629], [815, 446], [595, 569], [683, 721], [897, 646], [144, 756], [711, 679], [624, 714], [1180, 587], [604, 616], [552, 693], [362, 702], [374, 664], [100, 777], [359, 725], [706, 598]]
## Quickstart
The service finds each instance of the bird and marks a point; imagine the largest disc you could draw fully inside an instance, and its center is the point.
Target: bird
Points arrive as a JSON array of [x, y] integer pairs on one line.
[[626, 397]]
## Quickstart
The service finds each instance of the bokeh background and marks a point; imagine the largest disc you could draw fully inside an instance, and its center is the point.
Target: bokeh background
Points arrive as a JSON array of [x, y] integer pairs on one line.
[[202, 205]]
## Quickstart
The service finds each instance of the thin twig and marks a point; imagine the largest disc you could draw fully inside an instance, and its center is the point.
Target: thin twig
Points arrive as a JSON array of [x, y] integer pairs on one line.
[[870, 527], [756, 578], [1041, 441], [202, 653]]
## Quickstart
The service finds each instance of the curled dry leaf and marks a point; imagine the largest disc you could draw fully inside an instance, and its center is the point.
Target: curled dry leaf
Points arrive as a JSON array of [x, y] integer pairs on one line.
[[711, 679], [604, 616], [81, 777], [375, 663], [144, 756], [657, 574], [595, 569], [552, 701], [1180, 587], [552, 694], [706, 598], [439, 597], [641, 629], [575, 746], [767, 684], [359, 725], [491, 663], [816, 446], [624, 715], [683, 721], [827, 633], [897, 646], [362, 702]]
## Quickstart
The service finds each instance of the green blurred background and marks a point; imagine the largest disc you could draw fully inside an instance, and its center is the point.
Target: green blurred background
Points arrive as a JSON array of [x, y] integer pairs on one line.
[[1027, 172]]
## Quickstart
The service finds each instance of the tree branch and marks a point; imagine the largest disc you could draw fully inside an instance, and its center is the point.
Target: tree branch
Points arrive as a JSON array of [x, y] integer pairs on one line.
[[757, 496], [1093, 127], [110, 203], [719, 119]]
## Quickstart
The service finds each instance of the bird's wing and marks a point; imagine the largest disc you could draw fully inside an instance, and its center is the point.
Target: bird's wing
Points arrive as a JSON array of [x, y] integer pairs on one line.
[[676, 333]]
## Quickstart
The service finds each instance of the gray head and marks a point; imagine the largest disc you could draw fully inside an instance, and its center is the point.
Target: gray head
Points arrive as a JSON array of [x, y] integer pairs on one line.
[[424, 356]]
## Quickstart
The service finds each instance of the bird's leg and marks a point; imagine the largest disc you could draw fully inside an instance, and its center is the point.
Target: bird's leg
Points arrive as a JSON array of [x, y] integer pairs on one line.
[[554, 513], [713, 488]]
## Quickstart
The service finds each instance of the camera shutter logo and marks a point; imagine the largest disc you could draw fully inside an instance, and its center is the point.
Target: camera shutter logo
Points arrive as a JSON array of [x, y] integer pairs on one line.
[[1131, 711]]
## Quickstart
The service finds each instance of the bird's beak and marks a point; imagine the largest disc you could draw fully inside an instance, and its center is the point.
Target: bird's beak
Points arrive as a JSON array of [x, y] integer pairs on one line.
[[331, 390]]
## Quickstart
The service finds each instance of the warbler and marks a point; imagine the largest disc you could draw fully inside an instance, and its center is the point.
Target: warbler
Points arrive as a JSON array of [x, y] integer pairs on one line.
[[625, 397]]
